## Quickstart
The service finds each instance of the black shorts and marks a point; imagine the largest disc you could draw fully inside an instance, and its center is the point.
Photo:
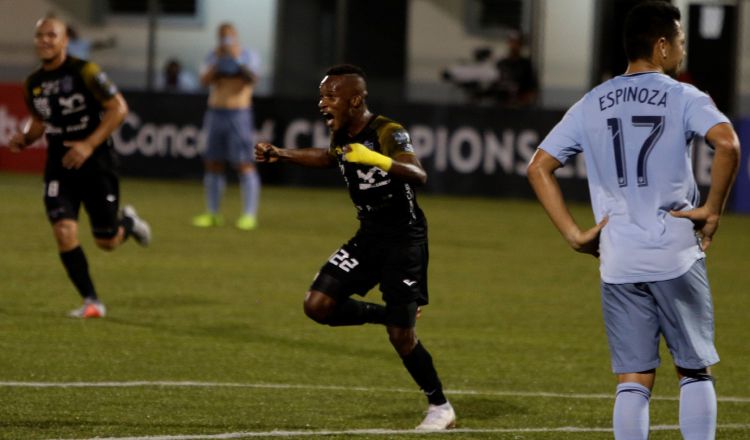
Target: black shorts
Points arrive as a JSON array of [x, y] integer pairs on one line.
[[399, 267], [99, 192]]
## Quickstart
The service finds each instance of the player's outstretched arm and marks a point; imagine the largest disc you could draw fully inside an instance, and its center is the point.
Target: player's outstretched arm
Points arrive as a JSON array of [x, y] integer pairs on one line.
[[308, 157], [723, 172], [542, 179], [405, 167], [33, 130]]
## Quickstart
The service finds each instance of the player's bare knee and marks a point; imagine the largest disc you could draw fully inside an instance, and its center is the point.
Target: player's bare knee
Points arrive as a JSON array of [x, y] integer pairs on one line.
[[402, 339], [315, 313], [245, 168], [107, 244], [214, 166], [316, 308], [66, 234]]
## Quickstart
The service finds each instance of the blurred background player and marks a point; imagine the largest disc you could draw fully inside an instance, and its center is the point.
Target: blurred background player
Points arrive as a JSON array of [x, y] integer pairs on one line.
[[230, 72], [74, 104], [635, 132], [377, 159]]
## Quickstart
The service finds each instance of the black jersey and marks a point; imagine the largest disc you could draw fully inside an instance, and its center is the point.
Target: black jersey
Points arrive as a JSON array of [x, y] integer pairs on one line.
[[386, 207], [69, 101]]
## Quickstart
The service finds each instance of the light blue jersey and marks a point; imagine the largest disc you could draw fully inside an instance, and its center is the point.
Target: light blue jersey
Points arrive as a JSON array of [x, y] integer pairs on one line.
[[635, 132]]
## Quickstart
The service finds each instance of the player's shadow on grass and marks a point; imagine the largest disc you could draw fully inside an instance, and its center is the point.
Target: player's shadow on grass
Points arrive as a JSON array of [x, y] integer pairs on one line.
[[171, 302], [243, 332]]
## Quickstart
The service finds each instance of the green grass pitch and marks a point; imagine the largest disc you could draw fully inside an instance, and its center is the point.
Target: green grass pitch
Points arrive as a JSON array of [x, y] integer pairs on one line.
[[514, 326]]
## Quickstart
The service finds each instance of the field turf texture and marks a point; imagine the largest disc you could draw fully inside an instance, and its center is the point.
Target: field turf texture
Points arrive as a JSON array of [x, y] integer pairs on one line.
[[514, 326]]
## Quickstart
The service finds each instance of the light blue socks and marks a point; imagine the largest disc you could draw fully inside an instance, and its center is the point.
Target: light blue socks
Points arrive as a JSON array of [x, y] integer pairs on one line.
[[250, 191], [214, 184], [631, 419], [697, 409]]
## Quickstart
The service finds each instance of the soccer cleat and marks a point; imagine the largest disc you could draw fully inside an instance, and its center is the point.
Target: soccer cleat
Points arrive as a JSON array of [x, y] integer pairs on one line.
[[89, 309], [246, 222], [439, 417], [141, 229], [208, 220]]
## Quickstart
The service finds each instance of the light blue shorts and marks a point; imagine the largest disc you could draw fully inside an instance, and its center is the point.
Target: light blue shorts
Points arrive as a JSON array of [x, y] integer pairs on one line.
[[229, 135], [636, 314]]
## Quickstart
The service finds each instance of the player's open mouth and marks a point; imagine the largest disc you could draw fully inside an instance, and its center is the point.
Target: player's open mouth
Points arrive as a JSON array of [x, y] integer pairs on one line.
[[328, 118]]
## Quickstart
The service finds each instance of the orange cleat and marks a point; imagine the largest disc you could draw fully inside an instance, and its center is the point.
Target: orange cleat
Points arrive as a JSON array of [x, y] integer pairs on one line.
[[89, 309]]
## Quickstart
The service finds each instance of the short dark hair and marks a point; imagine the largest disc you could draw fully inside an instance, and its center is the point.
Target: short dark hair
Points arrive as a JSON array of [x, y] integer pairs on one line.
[[346, 69], [645, 24]]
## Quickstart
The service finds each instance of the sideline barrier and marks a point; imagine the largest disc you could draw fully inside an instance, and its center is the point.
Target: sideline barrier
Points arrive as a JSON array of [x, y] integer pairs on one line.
[[13, 115], [478, 151], [465, 150]]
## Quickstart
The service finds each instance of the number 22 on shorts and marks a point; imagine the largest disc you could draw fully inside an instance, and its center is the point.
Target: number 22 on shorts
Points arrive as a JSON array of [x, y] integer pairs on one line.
[[343, 261]]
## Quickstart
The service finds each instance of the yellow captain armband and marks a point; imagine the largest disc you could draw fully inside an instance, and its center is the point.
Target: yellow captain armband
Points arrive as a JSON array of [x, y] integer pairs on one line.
[[358, 153]]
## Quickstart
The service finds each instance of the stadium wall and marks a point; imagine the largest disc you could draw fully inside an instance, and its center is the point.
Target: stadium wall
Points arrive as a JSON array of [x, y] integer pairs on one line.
[[564, 53], [465, 150]]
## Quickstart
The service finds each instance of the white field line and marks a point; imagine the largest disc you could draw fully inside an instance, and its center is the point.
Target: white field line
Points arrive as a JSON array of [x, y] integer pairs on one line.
[[376, 432], [194, 384]]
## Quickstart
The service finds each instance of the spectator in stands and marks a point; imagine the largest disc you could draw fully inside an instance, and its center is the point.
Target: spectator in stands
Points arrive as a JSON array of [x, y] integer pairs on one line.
[[517, 84], [231, 73], [176, 79]]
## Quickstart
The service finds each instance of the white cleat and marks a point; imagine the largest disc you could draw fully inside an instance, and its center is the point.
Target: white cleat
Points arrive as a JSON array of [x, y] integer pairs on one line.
[[89, 309], [439, 418], [141, 229]]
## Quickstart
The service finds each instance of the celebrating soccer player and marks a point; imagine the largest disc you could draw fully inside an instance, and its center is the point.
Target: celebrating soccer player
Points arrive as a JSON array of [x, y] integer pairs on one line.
[[380, 169], [77, 107], [635, 132]]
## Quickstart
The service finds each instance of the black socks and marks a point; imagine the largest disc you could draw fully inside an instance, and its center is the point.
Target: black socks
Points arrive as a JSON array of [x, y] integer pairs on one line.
[[78, 271], [419, 364], [353, 312]]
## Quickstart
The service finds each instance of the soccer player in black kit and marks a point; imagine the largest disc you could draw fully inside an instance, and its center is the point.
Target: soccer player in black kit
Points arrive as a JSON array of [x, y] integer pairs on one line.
[[74, 104], [380, 168]]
